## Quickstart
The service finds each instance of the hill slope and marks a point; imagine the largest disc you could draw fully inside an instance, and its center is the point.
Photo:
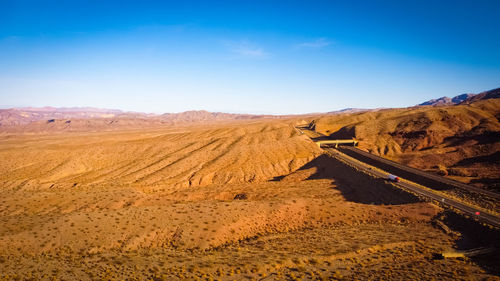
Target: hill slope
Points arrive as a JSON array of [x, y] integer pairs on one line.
[[241, 199], [189, 156], [461, 140]]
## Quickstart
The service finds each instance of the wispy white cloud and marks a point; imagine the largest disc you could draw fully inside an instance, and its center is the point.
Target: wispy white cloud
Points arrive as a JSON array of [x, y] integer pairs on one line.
[[249, 51], [245, 48], [318, 43]]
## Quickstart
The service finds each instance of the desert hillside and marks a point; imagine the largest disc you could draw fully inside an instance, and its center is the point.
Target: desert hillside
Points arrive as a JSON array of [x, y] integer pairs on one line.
[[213, 141], [461, 141], [178, 157], [203, 201]]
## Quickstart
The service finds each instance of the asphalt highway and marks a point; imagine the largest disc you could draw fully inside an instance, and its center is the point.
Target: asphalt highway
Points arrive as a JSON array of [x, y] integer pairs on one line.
[[471, 211], [416, 175]]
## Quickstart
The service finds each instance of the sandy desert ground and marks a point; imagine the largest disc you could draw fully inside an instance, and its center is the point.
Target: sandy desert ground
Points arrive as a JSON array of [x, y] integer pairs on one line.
[[232, 200]]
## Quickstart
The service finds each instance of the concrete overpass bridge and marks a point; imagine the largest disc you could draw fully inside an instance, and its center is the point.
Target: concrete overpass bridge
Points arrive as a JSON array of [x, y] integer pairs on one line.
[[336, 143]]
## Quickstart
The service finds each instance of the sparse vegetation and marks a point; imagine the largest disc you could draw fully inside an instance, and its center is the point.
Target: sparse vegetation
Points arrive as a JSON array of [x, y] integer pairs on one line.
[[134, 215]]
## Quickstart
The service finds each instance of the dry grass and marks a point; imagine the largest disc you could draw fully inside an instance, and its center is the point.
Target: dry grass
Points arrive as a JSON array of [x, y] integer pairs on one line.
[[161, 204], [179, 157]]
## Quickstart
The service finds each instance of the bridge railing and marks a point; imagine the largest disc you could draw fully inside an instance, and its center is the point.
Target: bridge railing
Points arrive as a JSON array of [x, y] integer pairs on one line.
[[337, 142]]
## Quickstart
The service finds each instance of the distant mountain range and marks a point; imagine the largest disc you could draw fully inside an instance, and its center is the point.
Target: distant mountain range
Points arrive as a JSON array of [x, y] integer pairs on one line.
[[460, 99], [203, 115], [491, 94], [68, 116], [463, 98], [26, 115], [349, 110]]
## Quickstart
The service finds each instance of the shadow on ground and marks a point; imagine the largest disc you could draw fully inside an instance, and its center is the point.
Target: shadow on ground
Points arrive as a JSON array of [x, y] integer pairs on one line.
[[321, 138], [354, 185], [475, 235], [428, 182], [359, 187], [493, 158]]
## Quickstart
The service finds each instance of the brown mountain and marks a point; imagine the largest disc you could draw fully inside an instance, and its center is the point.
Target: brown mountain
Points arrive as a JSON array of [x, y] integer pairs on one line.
[[491, 94], [463, 98], [447, 101]]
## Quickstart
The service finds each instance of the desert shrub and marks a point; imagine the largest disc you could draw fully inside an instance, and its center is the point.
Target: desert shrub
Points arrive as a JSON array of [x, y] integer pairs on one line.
[[241, 196]]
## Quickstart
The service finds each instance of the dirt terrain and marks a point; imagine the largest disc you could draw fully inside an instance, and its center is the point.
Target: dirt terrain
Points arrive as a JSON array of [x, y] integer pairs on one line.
[[461, 141], [231, 200]]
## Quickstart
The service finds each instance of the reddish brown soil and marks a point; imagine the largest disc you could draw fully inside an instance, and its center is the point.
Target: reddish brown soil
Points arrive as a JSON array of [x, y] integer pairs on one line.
[[233, 200], [461, 142]]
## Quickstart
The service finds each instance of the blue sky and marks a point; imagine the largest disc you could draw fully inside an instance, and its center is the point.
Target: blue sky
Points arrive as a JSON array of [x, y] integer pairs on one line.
[[279, 57]]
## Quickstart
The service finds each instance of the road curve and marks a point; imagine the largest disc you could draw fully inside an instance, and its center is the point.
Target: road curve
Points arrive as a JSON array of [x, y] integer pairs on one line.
[[475, 213]]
